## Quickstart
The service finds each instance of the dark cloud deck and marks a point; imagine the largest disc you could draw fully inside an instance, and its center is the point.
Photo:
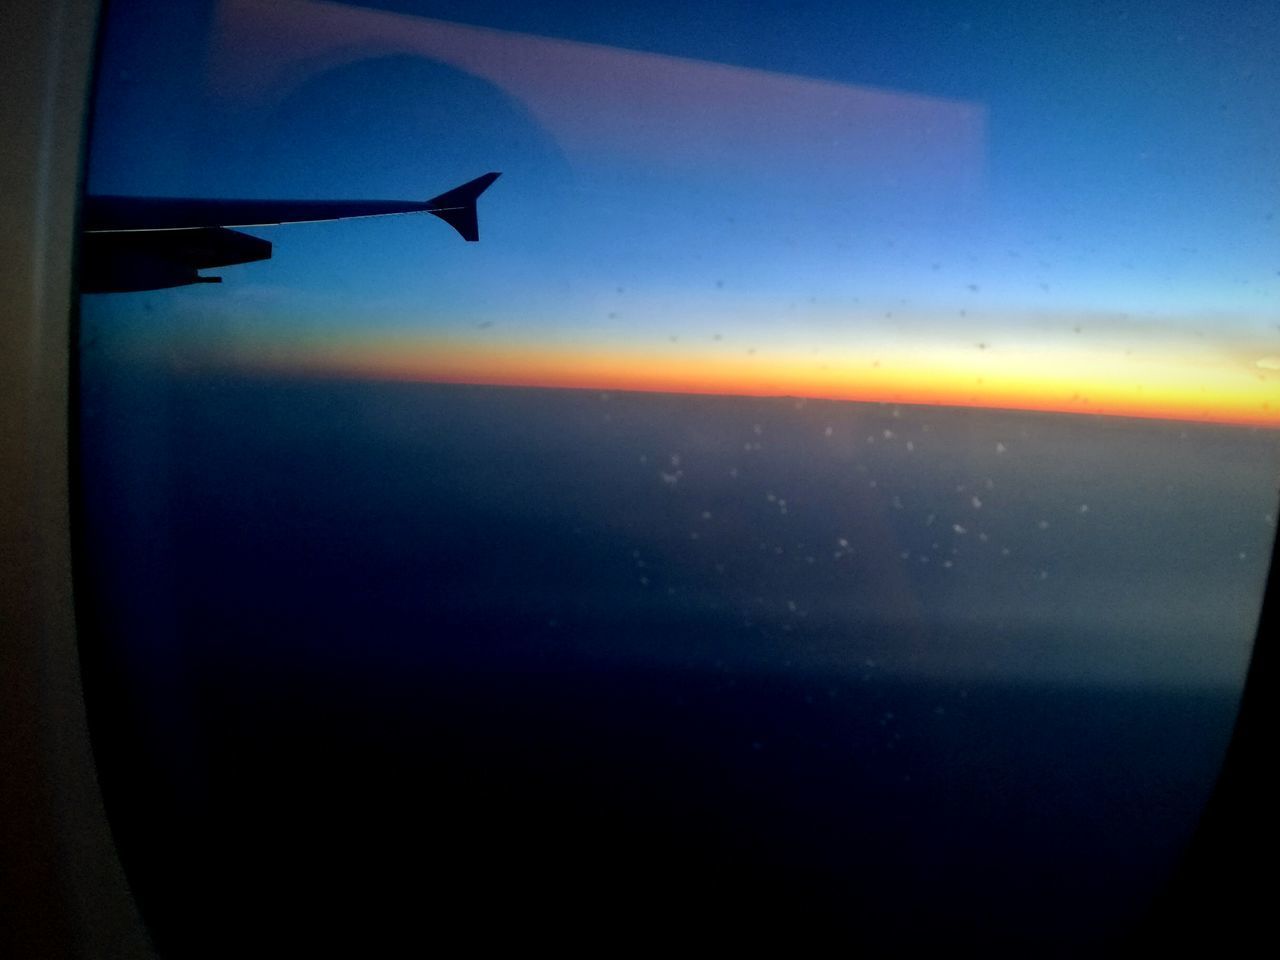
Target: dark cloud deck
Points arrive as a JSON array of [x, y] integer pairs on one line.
[[436, 654]]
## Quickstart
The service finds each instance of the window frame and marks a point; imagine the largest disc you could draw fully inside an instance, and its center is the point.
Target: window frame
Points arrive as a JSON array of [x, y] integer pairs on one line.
[[62, 882]]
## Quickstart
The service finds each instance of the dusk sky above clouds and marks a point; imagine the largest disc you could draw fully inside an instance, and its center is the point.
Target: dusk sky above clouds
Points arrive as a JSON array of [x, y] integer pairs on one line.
[[1070, 210]]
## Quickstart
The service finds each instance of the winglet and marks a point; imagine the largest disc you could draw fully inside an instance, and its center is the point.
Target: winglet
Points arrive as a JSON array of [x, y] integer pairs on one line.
[[457, 207]]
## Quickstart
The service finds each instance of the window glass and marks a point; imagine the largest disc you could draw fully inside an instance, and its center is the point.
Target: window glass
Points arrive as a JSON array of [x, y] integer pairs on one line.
[[831, 499]]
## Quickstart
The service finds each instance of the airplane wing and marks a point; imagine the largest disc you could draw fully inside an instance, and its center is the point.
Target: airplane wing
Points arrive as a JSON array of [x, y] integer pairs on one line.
[[147, 243]]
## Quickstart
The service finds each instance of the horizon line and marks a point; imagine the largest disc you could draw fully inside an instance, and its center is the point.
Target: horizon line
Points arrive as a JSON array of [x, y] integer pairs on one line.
[[319, 372]]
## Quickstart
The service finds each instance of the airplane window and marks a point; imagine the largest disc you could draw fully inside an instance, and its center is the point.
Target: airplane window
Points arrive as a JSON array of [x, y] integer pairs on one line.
[[809, 480]]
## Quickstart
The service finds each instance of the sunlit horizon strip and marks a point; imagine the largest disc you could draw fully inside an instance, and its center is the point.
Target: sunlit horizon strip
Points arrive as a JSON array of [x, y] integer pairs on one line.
[[1041, 380]]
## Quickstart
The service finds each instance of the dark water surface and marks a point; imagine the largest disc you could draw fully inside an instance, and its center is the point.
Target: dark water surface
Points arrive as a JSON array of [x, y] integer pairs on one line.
[[383, 667]]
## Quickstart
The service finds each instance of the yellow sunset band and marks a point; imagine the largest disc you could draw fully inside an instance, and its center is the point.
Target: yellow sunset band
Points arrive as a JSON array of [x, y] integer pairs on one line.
[[1229, 387]]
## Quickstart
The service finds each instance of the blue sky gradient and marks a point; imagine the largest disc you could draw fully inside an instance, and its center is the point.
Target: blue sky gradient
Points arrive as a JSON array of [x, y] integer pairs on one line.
[[1028, 177]]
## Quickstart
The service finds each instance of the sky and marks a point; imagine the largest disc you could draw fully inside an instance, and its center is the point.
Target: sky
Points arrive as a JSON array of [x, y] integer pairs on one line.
[[1068, 210]]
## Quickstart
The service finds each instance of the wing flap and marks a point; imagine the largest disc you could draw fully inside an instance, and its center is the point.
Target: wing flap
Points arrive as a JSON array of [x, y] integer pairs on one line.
[[145, 260]]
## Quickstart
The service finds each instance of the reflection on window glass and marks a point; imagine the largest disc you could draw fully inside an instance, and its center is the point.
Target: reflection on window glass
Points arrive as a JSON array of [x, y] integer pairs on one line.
[[828, 504]]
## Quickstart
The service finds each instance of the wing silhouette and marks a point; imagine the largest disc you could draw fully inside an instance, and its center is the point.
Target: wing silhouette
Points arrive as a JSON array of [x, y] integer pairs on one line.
[[149, 243]]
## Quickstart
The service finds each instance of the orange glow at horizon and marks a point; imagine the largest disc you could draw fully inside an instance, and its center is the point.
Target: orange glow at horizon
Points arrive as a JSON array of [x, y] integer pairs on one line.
[[1168, 386]]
